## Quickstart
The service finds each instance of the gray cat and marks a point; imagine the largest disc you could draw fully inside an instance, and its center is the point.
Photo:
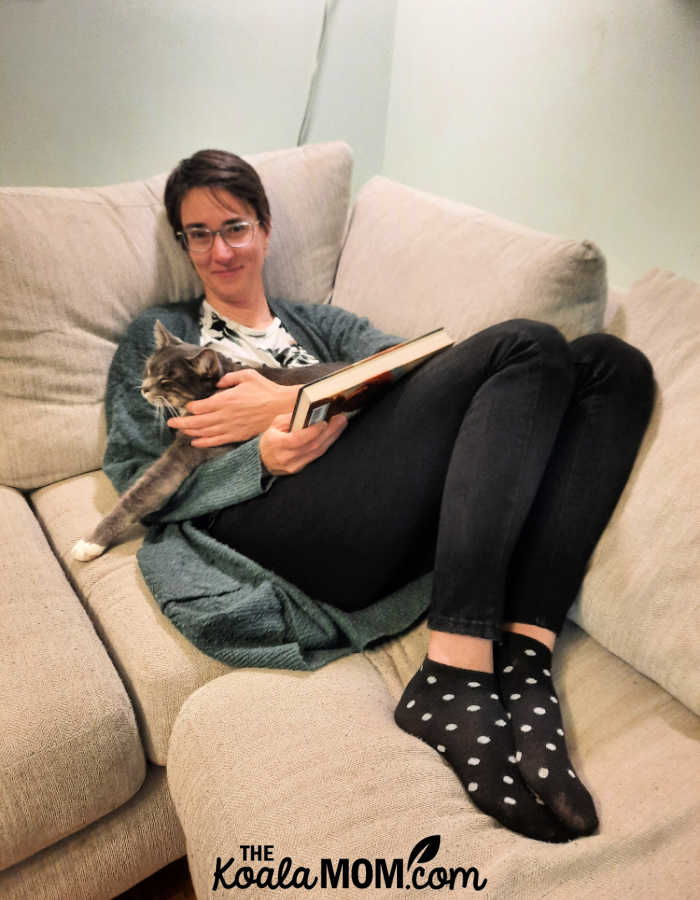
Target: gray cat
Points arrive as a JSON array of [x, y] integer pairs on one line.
[[175, 374]]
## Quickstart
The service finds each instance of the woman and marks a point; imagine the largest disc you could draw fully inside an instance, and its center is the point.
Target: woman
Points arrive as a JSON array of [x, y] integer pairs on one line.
[[496, 464]]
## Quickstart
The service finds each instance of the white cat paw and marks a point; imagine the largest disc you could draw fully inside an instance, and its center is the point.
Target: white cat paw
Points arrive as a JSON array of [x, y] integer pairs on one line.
[[85, 551]]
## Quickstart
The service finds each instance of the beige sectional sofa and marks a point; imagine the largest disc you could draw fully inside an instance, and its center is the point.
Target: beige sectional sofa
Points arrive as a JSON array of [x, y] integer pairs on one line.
[[101, 693]]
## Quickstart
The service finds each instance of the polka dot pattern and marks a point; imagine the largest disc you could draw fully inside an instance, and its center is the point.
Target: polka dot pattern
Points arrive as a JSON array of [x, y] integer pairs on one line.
[[524, 667], [464, 720]]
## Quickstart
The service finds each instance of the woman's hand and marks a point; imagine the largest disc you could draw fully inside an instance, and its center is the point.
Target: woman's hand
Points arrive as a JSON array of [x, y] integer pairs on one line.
[[245, 408], [284, 452]]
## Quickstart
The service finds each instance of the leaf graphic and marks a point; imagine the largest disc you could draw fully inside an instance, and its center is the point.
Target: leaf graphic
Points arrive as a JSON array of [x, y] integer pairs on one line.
[[425, 850]]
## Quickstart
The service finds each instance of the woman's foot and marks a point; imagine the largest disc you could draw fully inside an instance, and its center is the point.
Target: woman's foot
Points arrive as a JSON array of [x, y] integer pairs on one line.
[[523, 669], [459, 713]]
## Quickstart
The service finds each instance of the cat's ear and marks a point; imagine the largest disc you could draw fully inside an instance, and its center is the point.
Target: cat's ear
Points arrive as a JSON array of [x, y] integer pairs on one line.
[[206, 363], [163, 336]]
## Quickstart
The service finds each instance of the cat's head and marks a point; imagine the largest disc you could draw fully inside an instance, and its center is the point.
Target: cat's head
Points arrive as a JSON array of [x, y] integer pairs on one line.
[[177, 372]]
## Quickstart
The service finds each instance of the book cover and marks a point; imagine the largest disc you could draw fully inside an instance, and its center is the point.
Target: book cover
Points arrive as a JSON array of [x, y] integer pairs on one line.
[[349, 389]]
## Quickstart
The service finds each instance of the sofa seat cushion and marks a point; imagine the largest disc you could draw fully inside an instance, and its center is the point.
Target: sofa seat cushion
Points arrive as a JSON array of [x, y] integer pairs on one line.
[[313, 765], [69, 746], [77, 265], [640, 596], [413, 261], [107, 857], [159, 667]]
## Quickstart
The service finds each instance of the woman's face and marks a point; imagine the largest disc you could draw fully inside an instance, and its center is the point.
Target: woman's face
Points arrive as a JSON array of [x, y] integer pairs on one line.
[[232, 276]]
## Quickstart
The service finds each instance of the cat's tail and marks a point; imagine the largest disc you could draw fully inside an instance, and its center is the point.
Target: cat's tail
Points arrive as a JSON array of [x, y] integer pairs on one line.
[[84, 551]]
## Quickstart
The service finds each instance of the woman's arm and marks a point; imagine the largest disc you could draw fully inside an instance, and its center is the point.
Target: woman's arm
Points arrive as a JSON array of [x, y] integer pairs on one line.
[[243, 407], [249, 403]]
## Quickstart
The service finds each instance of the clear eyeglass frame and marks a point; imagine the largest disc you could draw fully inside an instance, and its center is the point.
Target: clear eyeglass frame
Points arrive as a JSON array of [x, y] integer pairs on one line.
[[230, 234]]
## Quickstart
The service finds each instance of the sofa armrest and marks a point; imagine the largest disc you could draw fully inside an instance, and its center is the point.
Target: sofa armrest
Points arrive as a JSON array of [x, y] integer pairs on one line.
[[69, 746]]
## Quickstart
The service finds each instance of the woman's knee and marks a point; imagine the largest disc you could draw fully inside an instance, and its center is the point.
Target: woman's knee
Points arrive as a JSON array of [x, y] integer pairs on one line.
[[611, 359], [544, 341]]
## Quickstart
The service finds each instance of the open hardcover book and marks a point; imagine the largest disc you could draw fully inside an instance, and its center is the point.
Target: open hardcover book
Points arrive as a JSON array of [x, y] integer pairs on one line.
[[350, 388]]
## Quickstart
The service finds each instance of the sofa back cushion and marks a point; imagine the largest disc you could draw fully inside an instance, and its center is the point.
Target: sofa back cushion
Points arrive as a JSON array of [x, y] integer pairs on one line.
[[640, 596], [413, 261], [77, 265]]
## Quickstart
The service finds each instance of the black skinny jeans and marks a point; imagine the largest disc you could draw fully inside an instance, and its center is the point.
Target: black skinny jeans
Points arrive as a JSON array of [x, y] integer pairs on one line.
[[497, 463]]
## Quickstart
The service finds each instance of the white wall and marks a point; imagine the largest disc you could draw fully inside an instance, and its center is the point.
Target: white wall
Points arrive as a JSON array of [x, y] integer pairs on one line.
[[100, 91], [578, 117], [353, 91]]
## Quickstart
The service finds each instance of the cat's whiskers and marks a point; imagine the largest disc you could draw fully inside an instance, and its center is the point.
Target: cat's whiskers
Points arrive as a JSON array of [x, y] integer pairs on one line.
[[174, 410], [159, 413], [163, 410]]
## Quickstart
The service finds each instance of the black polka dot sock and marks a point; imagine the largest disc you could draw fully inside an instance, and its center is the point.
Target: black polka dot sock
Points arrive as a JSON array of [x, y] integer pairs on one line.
[[523, 668], [460, 714]]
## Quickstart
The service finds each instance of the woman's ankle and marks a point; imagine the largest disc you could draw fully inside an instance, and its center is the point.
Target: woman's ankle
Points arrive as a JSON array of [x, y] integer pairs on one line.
[[543, 635], [463, 651]]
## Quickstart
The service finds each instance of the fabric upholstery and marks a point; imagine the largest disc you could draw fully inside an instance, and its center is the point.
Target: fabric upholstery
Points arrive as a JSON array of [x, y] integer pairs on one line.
[[640, 596], [69, 747], [77, 265], [105, 858], [413, 262], [362, 788], [158, 665]]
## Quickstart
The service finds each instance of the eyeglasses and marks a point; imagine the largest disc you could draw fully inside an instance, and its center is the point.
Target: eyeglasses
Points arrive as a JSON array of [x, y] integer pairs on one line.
[[200, 239]]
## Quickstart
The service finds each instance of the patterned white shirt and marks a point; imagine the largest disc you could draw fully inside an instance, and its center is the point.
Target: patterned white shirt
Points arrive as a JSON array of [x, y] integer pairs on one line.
[[272, 346]]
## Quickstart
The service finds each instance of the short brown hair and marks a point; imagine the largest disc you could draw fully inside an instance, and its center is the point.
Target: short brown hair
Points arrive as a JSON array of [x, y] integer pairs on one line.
[[215, 169]]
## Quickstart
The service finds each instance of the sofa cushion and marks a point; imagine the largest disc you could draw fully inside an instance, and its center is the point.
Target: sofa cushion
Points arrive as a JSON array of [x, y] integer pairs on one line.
[[640, 596], [107, 857], [413, 261], [69, 746], [76, 266], [159, 666], [363, 789]]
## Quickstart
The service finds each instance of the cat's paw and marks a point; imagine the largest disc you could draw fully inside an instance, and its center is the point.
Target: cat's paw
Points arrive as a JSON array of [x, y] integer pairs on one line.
[[84, 551]]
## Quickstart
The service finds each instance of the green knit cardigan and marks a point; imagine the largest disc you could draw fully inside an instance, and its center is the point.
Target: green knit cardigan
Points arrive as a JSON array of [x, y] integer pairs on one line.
[[226, 604]]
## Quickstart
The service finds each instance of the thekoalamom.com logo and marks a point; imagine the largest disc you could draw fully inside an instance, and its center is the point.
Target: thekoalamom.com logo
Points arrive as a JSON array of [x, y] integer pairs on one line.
[[343, 873]]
